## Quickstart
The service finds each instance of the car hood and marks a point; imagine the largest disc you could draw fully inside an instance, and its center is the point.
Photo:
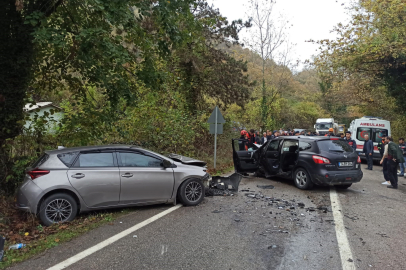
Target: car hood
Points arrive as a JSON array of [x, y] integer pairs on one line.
[[187, 160]]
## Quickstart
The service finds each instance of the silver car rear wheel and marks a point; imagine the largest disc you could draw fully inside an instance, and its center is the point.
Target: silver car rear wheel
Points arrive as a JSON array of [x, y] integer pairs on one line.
[[191, 192], [58, 208]]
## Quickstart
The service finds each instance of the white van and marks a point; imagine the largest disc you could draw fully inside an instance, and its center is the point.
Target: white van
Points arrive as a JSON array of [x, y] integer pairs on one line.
[[375, 127]]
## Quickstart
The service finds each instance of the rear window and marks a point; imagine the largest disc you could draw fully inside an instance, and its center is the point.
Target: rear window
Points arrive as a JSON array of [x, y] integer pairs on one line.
[[335, 146], [68, 158], [375, 134], [40, 161]]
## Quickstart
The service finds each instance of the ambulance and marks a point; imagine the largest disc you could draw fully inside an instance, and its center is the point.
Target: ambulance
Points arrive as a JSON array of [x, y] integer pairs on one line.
[[375, 127]]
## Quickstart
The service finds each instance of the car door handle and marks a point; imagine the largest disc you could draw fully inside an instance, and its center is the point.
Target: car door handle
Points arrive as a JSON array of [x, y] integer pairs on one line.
[[127, 175], [78, 175]]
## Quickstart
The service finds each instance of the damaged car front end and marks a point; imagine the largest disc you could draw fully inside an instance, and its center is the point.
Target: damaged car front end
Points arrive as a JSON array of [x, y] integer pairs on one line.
[[215, 186]]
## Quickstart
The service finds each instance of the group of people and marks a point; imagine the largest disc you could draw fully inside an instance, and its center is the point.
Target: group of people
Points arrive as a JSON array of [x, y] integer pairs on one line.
[[251, 137], [392, 156]]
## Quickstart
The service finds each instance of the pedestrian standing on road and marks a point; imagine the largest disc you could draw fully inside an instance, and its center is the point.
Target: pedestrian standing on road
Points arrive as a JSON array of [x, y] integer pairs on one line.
[[368, 151], [350, 141], [251, 138], [257, 138], [330, 132], [381, 145], [243, 141], [402, 147], [342, 135], [384, 162], [268, 135], [276, 134], [264, 139], [395, 156]]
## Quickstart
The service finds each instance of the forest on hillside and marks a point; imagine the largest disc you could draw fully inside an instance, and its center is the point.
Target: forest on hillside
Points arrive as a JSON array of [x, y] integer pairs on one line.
[[149, 72]]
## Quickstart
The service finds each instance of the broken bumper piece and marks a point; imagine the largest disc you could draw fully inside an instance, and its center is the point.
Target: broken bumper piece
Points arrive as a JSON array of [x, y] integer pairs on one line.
[[220, 186]]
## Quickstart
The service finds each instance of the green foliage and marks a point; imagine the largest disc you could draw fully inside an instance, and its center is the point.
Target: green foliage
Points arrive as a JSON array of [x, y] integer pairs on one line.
[[366, 63]]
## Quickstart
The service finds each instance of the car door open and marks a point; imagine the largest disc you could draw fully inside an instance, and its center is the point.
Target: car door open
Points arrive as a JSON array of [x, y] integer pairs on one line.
[[244, 161], [269, 158], [289, 155], [143, 178]]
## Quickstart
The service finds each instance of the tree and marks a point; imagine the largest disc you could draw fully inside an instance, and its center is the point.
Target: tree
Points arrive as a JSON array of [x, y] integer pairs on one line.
[[204, 68], [369, 52], [268, 35]]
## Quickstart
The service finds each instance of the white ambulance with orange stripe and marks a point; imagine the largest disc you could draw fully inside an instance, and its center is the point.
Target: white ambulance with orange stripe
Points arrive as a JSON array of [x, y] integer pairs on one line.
[[375, 127]]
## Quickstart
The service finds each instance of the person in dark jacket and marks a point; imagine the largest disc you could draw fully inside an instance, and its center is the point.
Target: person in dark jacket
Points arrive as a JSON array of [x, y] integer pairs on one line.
[[350, 141], [243, 141], [257, 138], [395, 156], [368, 151], [402, 147]]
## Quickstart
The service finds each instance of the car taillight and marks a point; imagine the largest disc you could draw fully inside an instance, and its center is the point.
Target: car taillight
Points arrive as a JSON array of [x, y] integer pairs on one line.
[[35, 173], [320, 160], [359, 159]]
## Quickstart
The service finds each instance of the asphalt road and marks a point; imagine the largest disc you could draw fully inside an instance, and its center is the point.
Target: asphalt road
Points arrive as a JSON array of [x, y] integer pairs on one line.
[[269, 231]]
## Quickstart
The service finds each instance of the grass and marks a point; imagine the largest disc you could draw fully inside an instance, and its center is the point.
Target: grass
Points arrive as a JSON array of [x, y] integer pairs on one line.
[[58, 234]]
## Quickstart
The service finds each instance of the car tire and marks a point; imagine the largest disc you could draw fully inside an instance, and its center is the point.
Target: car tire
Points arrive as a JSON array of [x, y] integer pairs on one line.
[[58, 208], [191, 192], [302, 179], [344, 186]]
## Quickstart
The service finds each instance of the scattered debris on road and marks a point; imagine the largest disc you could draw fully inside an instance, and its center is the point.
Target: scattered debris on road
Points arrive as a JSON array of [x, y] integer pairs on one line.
[[224, 186], [266, 187]]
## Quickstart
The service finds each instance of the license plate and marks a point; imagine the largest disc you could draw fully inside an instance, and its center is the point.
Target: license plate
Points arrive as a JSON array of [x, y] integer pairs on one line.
[[344, 164]]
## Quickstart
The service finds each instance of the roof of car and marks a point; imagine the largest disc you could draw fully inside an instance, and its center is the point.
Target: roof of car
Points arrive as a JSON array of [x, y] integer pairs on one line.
[[91, 147], [310, 138]]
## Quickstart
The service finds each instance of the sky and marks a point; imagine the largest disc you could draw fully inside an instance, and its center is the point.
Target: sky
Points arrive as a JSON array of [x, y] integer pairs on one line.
[[310, 19]]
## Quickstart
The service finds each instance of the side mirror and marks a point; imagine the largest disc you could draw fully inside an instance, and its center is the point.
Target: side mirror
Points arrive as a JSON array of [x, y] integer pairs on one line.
[[166, 164], [314, 126]]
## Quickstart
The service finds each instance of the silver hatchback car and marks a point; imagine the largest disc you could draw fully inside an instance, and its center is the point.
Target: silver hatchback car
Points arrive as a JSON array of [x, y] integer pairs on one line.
[[65, 182]]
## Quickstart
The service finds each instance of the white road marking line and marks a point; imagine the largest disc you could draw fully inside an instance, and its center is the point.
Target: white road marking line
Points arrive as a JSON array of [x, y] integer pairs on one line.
[[111, 240], [164, 249], [342, 240]]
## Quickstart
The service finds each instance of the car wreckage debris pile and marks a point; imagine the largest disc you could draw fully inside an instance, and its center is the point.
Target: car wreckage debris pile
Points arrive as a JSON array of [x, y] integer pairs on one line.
[[224, 186]]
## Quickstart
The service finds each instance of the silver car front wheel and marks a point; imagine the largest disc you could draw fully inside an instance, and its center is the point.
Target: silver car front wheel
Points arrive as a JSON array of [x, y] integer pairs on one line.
[[191, 192]]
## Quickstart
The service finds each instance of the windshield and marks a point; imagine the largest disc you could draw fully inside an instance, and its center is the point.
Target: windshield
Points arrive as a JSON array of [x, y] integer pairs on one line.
[[324, 125], [334, 146]]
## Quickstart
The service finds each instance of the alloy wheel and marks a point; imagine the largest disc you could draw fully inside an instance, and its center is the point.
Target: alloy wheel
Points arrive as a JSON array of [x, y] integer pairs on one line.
[[193, 191], [58, 210], [301, 178]]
